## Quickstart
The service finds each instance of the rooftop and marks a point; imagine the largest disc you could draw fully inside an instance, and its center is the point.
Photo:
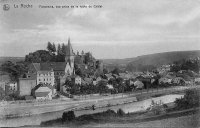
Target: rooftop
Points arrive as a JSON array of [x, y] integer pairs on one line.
[[41, 94]]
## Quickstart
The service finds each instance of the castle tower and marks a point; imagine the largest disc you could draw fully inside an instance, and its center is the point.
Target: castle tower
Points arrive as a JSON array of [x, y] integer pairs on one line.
[[69, 59]]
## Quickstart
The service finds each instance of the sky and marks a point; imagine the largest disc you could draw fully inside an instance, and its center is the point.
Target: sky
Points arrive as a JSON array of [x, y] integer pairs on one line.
[[120, 29]]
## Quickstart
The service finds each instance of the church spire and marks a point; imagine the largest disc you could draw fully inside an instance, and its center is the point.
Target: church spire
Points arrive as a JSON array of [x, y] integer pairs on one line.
[[69, 51], [69, 59]]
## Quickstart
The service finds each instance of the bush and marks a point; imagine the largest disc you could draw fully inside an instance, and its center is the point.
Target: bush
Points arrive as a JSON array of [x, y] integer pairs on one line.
[[157, 110], [190, 100], [120, 112], [107, 113], [68, 116]]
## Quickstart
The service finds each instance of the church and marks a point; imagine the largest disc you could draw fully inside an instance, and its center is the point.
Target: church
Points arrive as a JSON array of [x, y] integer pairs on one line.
[[50, 72]]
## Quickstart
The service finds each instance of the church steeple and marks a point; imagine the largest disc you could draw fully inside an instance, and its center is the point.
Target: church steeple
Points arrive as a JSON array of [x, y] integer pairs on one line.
[[69, 51], [69, 58]]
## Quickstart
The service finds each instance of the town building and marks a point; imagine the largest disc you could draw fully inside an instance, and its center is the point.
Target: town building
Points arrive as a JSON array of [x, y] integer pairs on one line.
[[46, 77], [4, 80], [43, 92], [25, 86], [13, 86]]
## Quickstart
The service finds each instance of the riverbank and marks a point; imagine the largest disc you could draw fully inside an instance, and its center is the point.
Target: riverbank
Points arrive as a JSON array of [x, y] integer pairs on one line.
[[129, 108], [127, 103], [154, 109], [37, 119], [20, 109], [110, 118], [188, 120]]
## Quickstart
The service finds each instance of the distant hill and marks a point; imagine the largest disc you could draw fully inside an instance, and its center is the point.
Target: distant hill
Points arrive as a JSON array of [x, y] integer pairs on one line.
[[12, 59], [156, 59]]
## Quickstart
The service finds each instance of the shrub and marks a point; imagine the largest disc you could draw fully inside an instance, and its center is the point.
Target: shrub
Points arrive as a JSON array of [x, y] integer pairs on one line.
[[190, 100], [120, 112], [68, 116], [109, 112], [157, 110]]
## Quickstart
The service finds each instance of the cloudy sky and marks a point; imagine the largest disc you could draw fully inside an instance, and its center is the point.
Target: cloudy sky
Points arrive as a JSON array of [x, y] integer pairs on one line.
[[120, 29]]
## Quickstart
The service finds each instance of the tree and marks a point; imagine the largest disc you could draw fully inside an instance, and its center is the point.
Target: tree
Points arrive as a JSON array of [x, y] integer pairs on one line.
[[60, 55], [39, 56], [120, 112], [102, 88], [59, 50], [78, 72], [116, 71], [191, 99], [192, 65], [68, 116], [53, 48], [63, 49], [87, 57], [15, 70], [49, 47]]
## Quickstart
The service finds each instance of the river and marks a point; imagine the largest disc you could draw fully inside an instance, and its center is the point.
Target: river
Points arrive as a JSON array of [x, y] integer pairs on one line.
[[131, 107]]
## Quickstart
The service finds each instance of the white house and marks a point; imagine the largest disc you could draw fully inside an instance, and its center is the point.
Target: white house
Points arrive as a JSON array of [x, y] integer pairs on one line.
[[13, 86], [45, 77], [43, 93]]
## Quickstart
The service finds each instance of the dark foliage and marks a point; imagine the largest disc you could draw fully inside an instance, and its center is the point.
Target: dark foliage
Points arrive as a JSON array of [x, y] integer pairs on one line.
[[102, 88], [39, 56], [68, 116], [191, 99], [105, 71], [15, 70], [116, 71], [190, 64], [120, 112]]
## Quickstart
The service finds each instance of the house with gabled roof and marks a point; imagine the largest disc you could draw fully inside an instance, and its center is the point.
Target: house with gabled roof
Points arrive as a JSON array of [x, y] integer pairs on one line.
[[43, 92]]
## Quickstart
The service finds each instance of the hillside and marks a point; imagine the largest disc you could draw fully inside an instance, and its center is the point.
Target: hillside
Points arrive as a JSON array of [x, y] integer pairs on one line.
[[156, 59]]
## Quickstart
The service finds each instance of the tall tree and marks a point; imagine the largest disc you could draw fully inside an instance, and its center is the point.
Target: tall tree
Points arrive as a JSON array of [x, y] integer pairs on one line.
[[59, 50], [63, 49], [49, 47], [53, 48]]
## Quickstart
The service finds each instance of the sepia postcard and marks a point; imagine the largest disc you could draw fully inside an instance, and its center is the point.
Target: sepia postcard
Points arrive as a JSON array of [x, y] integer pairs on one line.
[[100, 63]]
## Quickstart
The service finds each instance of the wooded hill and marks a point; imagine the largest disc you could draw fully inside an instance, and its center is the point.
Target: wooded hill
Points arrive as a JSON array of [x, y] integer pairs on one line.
[[152, 60]]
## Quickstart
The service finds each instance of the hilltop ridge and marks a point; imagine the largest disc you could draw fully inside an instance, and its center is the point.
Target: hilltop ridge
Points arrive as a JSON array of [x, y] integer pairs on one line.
[[156, 59]]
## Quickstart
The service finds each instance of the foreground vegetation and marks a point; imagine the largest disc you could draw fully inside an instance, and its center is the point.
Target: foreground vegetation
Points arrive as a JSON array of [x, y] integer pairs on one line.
[[188, 105]]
